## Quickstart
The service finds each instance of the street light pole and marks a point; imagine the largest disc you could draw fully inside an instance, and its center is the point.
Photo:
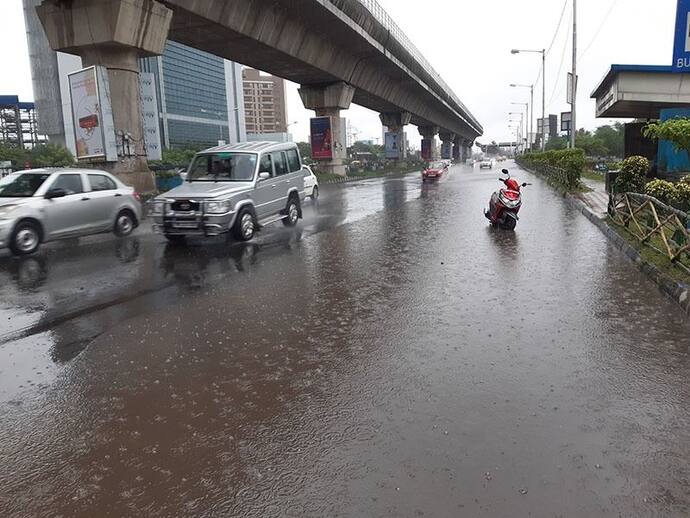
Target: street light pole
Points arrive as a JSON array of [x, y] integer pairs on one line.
[[543, 87], [573, 123], [526, 105], [530, 115]]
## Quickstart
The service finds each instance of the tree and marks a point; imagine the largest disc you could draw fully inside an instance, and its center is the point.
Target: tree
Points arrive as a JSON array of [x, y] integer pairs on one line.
[[613, 138], [50, 155], [556, 144], [16, 155], [304, 150], [590, 144], [676, 131]]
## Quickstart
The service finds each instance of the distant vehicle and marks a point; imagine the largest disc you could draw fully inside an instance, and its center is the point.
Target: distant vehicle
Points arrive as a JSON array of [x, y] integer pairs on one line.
[[501, 159], [487, 163], [601, 167], [470, 161], [434, 171], [311, 184], [41, 205], [238, 188]]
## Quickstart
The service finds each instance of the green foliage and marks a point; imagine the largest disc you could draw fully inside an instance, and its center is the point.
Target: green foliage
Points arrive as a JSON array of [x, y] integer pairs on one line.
[[632, 175], [590, 144], [50, 155], [612, 138], [304, 150], [677, 131], [44, 155], [570, 161], [175, 158], [556, 144], [681, 199], [662, 190]]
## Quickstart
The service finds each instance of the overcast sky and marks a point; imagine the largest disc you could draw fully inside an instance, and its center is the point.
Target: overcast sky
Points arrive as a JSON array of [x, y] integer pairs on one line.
[[468, 43]]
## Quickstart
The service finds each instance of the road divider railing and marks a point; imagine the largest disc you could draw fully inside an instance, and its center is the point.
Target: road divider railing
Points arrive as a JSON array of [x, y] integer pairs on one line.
[[654, 224]]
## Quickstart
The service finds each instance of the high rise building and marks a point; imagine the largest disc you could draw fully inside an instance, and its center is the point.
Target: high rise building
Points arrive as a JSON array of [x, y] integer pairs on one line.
[[199, 95], [264, 103]]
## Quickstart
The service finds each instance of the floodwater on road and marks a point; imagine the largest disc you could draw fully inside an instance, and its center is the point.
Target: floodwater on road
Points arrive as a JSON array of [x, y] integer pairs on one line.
[[393, 356]]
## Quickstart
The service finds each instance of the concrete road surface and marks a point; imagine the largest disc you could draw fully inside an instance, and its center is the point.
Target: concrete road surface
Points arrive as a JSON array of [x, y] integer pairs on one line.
[[393, 356]]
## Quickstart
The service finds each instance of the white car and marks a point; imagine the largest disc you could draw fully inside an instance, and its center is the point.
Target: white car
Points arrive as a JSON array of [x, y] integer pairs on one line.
[[486, 162], [311, 184]]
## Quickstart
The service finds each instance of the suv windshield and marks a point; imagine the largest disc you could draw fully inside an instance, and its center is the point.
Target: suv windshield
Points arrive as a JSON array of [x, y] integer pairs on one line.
[[21, 185], [223, 167]]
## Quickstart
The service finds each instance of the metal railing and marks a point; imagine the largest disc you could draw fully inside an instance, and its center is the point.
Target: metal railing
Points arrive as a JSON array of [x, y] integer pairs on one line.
[[380, 14], [654, 224]]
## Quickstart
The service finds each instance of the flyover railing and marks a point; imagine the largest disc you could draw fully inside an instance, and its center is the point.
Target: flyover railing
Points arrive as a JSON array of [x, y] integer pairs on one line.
[[396, 32], [654, 224]]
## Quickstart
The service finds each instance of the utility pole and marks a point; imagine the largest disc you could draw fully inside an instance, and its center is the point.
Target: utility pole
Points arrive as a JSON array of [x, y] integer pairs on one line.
[[573, 123], [543, 99]]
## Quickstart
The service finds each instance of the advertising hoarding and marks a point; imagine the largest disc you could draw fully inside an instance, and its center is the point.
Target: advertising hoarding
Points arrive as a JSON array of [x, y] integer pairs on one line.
[[426, 148], [149, 115], [94, 131], [321, 138], [393, 145]]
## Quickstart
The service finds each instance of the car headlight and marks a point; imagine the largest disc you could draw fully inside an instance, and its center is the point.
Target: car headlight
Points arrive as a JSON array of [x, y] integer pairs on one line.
[[6, 209], [157, 207], [217, 207]]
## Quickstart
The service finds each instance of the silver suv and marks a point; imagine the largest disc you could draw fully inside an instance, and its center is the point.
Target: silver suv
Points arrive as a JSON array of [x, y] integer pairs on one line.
[[40, 205], [237, 188]]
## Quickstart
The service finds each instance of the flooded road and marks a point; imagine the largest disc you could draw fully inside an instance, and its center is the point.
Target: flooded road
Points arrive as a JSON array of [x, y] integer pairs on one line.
[[392, 356]]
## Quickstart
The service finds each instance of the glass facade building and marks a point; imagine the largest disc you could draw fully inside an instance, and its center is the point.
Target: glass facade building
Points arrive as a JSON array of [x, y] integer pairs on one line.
[[200, 98]]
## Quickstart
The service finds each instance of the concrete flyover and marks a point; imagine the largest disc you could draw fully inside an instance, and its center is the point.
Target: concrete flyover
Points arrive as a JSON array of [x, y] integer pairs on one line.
[[351, 45]]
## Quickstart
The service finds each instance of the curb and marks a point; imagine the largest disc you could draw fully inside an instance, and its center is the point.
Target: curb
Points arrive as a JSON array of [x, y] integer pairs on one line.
[[675, 290]]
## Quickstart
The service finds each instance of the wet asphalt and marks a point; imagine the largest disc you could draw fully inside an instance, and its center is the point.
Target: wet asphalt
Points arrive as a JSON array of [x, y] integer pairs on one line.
[[392, 356]]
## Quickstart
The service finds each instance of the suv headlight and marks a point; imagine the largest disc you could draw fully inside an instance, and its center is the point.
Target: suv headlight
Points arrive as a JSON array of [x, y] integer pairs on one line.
[[218, 207], [6, 209], [157, 206]]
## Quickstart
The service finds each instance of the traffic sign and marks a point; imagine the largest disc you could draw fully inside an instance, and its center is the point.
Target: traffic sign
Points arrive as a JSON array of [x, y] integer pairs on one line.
[[681, 46]]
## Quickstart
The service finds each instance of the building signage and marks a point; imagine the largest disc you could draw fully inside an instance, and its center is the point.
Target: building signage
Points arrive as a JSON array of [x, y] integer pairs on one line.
[[94, 130], [321, 138], [681, 44], [393, 145], [149, 115]]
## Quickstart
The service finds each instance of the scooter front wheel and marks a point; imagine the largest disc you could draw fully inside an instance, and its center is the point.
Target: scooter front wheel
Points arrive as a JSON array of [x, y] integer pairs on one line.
[[509, 224]]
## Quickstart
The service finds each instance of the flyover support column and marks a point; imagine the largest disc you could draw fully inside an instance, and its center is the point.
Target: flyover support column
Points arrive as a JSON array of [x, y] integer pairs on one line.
[[429, 149], [114, 34], [396, 122], [328, 136], [457, 150], [447, 140]]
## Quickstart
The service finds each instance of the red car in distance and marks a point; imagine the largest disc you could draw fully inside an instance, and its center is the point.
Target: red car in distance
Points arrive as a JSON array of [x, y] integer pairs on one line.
[[434, 171]]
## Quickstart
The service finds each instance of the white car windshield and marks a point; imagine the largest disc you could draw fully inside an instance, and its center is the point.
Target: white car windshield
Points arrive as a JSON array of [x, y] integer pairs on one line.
[[223, 167], [21, 185]]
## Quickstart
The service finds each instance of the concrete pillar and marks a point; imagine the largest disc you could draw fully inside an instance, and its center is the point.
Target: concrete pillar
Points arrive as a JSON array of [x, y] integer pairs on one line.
[[458, 150], [113, 34], [429, 149], [447, 139], [328, 101], [396, 122]]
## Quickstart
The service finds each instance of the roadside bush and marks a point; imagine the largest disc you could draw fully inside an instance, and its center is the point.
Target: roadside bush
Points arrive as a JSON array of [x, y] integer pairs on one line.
[[664, 191], [571, 161], [632, 175], [682, 197], [685, 180]]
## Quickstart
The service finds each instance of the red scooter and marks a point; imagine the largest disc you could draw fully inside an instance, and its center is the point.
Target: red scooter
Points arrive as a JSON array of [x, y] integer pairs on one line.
[[505, 204]]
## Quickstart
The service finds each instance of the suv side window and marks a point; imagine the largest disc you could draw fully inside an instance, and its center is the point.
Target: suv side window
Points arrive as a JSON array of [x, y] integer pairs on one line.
[[280, 163], [99, 182], [71, 183], [266, 165], [293, 160]]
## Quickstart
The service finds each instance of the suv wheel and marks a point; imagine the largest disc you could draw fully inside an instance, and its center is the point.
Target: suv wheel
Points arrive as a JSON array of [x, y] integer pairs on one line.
[[26, 238], [245, 227], [315, 193], [292, 212], [124, 223]]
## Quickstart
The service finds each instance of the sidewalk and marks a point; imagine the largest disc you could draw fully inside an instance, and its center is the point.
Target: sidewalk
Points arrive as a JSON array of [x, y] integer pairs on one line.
[[597, 199]]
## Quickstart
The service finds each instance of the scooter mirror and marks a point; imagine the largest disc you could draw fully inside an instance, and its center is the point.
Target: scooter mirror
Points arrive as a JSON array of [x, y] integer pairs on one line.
[[525, 184], [505, 171]]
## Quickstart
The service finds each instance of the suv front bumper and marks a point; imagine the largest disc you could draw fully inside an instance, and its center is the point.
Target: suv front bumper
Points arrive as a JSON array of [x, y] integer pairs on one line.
[[193, 224]]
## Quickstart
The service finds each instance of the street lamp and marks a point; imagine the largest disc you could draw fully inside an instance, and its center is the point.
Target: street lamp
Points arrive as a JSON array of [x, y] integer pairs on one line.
[[526, 105], [531, 114], [520, 126], [543, 85]]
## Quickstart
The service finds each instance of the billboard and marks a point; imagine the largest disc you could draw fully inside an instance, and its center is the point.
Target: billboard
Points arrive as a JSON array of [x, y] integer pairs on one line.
[[447, 150], [681, 42], [321, 138], [427, 144], [149, 115], [393, 143], [94, 130]]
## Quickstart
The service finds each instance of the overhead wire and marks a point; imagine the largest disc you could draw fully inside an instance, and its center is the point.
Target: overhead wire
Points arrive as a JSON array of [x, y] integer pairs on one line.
[[598, 31], [560, 69], [558, 27]]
